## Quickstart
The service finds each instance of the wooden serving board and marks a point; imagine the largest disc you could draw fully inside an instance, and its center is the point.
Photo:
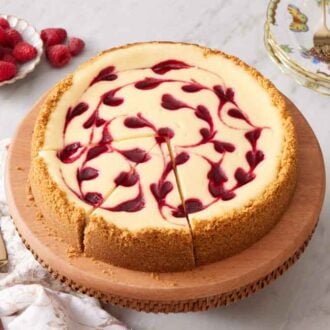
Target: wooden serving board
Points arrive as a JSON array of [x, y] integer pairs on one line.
[[209, 286]]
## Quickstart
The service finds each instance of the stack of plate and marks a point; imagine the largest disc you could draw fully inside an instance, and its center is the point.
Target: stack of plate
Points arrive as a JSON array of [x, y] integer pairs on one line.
[[289, 32]]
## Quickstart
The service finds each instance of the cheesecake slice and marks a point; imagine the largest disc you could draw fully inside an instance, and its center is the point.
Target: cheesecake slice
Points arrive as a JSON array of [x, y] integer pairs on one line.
[[70, 183], [136, 226]]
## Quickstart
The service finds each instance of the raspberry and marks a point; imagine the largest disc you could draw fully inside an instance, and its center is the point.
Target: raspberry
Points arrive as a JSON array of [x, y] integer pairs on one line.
[[7, 70], [53, 36], [13, 37], [2, 36], [24, 52], [76, 46], [4, 23], [9, 58], [58, 55], [6, 50]]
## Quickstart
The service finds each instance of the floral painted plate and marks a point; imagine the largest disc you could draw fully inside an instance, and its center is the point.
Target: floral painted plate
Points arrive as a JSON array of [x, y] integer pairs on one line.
[[312, 83], [289, 40], [30, 35]]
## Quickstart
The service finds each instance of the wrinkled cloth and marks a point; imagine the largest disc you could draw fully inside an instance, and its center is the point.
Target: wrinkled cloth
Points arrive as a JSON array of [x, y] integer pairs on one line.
[[29, 297]]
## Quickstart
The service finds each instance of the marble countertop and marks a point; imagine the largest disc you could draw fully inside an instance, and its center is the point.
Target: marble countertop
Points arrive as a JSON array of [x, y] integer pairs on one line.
[[301, 298]]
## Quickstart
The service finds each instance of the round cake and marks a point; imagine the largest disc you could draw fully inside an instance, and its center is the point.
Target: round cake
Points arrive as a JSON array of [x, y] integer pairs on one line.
[[163, 156]]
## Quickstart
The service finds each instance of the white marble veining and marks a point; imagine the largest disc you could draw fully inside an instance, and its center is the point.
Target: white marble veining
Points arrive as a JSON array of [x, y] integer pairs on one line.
[[301, 298]]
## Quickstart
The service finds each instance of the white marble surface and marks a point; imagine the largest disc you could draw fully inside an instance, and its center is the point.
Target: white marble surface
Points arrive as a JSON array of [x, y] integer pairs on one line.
[[301, 298]]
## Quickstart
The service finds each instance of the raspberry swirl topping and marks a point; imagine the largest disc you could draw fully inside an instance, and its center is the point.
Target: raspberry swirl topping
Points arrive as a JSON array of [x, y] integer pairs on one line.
[[189, 113]]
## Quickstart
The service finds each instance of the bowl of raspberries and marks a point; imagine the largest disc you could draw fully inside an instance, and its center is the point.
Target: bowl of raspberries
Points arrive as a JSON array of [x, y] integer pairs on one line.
[[21, 48]]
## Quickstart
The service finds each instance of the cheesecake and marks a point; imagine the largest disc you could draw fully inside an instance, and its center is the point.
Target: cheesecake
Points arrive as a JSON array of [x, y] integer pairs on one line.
[[163, 156]]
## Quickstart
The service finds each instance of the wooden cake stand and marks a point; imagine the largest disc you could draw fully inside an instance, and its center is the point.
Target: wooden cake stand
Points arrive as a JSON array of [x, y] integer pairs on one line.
[[214, 285]]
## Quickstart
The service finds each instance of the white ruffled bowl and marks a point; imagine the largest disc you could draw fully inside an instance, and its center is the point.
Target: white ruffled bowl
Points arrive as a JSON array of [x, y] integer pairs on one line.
[[30, 35]]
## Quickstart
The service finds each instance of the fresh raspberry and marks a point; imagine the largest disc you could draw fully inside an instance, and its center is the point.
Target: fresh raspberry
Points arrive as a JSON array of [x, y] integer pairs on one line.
[[9, 58], [24, 52], [2, 36], [4, 23], [76, 46], [7, 70], [53, 36], [58, 55], [13, 37], [6, 50]]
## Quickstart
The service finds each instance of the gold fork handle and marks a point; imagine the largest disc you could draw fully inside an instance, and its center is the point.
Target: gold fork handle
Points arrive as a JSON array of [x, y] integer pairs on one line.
[[324, 12]]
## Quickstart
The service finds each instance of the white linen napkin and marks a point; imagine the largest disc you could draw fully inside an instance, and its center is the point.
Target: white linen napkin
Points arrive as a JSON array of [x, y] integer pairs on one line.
[[29, 297]]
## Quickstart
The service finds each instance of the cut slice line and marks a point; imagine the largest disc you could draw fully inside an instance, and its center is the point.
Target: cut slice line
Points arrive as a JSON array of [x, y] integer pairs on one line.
[[87, 145], [178, 183]]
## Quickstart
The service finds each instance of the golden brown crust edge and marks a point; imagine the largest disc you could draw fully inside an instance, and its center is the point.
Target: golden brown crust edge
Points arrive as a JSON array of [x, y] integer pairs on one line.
[[47, 107], [67, 220], [153, 250]]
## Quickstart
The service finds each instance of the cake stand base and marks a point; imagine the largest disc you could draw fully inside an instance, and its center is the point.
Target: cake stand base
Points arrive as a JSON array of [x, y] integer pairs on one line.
[[217, 284]]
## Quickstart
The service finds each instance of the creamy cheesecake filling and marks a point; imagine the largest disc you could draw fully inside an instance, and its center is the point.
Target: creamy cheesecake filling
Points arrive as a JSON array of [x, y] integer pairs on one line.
[[224, 133]]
